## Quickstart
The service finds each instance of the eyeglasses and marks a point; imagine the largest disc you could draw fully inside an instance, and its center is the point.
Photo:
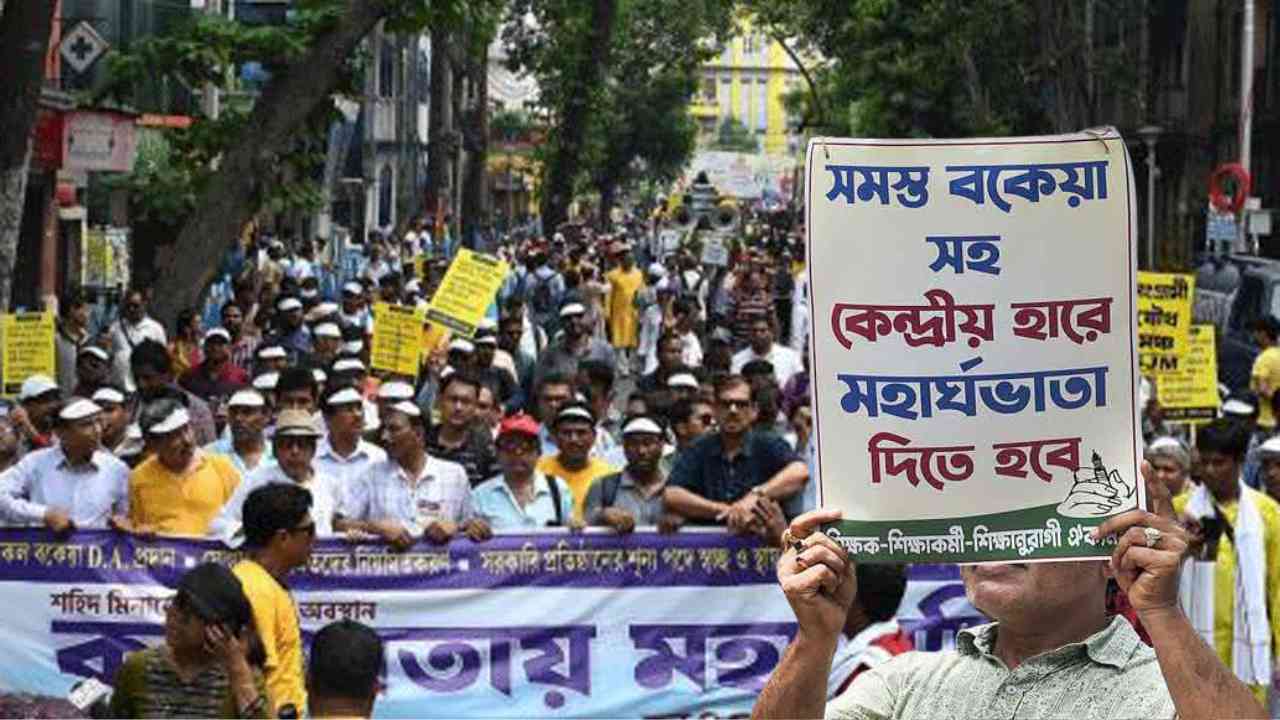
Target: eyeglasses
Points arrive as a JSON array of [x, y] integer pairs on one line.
[[706, 418], [728, 404]]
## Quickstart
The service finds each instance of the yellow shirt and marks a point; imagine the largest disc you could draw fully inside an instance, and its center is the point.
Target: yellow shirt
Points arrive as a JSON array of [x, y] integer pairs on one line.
[[173, 505], [624, 327], [276, 618], [1224, 574], [1266, 372], [579, 481]]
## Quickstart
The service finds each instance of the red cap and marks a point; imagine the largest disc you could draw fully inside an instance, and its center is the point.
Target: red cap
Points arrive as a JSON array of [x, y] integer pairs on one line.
[[519, 424]]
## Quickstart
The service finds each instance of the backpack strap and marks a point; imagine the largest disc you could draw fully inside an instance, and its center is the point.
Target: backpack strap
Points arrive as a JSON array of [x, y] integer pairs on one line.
[[555, 498], [609, 485]]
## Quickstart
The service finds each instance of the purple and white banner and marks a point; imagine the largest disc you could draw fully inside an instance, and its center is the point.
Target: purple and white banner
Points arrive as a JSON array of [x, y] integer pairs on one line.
[[543, 625]]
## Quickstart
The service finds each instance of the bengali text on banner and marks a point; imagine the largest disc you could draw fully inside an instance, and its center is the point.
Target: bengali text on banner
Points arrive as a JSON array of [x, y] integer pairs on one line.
[[541, 625]]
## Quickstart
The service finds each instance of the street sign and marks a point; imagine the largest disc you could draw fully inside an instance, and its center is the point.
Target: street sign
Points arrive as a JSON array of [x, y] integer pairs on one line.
[[1259, 222], [714, 251], [1220, 231], [82, 47]]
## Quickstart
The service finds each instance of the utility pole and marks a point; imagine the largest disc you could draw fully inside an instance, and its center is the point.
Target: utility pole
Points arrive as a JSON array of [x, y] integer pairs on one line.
[[210, 103], [1246, 114], [1149, 135]]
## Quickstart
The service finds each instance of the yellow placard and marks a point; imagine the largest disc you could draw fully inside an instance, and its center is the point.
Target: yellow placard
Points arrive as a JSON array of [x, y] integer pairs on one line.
[[1188, 391], [97, 258], [1164, 318], [28, 348], [397, 338], [466, 291]]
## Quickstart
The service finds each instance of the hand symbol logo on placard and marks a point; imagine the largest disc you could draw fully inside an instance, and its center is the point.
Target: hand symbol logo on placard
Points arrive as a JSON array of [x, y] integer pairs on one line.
[[1096, 492]]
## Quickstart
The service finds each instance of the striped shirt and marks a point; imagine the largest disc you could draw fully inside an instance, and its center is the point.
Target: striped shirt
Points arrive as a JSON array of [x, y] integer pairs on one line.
[[148, 686], [441, 492], [325, 498]]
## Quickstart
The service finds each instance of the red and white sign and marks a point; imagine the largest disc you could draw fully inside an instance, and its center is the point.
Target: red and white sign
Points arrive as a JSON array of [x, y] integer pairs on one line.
[[99, 141]]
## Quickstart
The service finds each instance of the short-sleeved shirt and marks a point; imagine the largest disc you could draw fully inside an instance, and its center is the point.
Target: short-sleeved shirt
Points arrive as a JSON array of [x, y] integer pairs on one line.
[[579, 481], [226, 447], [325, 499], [171, 504], [209, 386], [1112, 674], [645, 508], [441, 492], [148, 686], [476, 454], [559, 359], [495, 502], [345, 470], [43, 479], [276, 619], [703, 469], [785, 361]]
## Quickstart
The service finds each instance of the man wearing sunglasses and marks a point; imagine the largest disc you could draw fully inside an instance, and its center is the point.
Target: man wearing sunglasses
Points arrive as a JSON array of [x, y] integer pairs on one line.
[[278, 535], [725, 476]]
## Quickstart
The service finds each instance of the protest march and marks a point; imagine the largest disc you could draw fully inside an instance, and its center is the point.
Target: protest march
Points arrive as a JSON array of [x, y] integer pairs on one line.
[[784, 469]]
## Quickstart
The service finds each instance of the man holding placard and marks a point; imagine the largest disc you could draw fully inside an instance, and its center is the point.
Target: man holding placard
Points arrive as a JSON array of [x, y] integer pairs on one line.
[[975, 401]]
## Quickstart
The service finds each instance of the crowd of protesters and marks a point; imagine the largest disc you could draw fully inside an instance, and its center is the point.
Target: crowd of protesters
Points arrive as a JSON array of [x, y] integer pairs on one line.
[[614, 382], [617, 381]]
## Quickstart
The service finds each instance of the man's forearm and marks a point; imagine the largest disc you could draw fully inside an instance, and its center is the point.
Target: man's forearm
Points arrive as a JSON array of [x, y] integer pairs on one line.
[[1200, 685], [787, 482], [798, 686], [688, 504]]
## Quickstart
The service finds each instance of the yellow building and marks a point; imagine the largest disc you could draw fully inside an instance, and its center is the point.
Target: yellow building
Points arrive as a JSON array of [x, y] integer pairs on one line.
[[747, 81]]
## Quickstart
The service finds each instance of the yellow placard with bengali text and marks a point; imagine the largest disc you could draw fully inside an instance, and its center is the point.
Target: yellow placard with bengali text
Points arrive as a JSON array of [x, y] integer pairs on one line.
[[397, 338], [1164, 318], [466, 291], [28, 348], [1188, 391]]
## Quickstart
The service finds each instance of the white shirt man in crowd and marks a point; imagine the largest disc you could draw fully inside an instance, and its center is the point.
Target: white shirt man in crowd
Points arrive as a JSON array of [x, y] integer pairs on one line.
[[74, 484], [247, 420], [410, 495], [343, 454], [785, 361], [133, 327], [294, 445]]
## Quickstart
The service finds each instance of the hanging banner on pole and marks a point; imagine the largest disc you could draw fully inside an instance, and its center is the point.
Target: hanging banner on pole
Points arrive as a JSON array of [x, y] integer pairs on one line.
[[975, 382], [1188, 392], [28, 348], [397, 339], [467, 290]]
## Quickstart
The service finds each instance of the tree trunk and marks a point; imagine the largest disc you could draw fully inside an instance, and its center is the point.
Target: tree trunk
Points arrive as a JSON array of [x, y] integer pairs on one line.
[[24, 40], [439, 148], [566, 160], [475, 193], [608, 197], [186, 268]]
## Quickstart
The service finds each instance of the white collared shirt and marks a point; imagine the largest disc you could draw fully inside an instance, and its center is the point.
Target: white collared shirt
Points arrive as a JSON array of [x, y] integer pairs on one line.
[[385, 491], [42, 479], [345, 470], [325, 498], [785, 361]]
